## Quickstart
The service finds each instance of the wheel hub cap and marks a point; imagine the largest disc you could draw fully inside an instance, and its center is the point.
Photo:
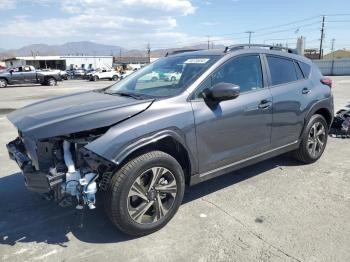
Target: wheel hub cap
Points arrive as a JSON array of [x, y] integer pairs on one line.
[[316, 139], [152, 195]]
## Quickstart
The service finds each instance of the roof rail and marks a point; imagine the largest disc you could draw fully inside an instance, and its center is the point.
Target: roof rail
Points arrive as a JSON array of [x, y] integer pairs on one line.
[[271, 47], [179, 51]]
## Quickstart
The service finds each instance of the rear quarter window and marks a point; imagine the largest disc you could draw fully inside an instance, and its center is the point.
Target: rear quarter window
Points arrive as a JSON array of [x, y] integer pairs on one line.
[[282, 70], [305, 68]]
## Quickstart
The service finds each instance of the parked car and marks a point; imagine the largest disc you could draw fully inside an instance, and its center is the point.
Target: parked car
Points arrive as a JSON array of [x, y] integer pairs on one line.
[[28, 74], [103, 73], [63, 74], [139, 146], [172, 76], [79, 73], [153, 76]]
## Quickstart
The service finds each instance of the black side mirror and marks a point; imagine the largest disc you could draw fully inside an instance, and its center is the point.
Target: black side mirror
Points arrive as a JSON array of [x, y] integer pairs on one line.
[[221, 92]]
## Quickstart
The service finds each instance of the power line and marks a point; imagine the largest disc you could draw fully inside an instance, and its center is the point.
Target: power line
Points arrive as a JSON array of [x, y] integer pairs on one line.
[[290, 23]]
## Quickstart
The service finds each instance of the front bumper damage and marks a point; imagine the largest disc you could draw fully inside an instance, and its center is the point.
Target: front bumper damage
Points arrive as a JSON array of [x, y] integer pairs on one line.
[[61, 179], [36, 181]]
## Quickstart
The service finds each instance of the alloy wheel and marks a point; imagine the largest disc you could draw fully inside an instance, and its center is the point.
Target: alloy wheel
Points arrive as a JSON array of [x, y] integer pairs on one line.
[[2, 83], [152, 195], [316, 139]]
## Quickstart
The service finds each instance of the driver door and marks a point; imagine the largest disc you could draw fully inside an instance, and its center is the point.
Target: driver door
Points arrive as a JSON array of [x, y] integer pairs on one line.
[[236, 129], [17, 75]]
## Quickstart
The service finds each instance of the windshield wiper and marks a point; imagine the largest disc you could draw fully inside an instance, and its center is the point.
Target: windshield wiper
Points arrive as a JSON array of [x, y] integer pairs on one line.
[[133, 95]]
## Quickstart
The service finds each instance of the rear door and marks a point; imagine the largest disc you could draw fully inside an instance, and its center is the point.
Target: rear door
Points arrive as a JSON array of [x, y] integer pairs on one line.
[[290, 94], [29, 74], [233, 129]]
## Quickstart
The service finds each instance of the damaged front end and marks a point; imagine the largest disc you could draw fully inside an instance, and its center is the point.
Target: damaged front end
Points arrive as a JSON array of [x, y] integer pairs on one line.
[[62, 168]]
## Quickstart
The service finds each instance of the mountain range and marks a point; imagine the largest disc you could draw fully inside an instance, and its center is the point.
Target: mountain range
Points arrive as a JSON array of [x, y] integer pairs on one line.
[[86, 48]]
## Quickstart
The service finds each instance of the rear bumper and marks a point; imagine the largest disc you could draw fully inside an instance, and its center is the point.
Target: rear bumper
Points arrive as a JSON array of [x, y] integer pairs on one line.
[[37, 181]]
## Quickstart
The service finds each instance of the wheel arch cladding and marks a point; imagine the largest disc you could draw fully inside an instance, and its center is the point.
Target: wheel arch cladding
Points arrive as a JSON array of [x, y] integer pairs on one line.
[[323, 108], [326, 114], [167, 144]]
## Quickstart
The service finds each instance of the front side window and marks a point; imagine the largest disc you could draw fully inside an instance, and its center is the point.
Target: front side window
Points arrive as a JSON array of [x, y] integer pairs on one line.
[[282, 70], [244, 71], [166, 77]]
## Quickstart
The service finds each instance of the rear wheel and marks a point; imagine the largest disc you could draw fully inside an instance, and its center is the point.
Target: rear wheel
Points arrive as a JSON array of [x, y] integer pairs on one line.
[[145, 193], [3, 83], [314, 140], [115, 78]]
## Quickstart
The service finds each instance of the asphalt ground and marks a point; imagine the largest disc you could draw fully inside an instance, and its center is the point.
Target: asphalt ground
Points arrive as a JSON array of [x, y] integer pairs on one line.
[[277, 210]]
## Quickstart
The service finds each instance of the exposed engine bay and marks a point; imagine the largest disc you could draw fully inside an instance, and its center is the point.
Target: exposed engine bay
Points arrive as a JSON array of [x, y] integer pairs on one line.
[[62, 169]]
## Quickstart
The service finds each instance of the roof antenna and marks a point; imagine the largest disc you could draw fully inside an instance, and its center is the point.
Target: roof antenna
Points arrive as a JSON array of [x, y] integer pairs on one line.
[[226, 49]]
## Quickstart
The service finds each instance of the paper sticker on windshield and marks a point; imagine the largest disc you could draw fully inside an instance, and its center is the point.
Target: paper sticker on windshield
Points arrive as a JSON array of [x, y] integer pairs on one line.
[[197, 61]]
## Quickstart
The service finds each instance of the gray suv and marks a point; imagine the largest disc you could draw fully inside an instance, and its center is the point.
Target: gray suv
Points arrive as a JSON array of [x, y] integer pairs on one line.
[[136, 144]]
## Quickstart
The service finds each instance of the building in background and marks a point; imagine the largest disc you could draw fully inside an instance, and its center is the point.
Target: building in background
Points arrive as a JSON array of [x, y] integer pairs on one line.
[[338, 54], [61, 62], [312, 53]]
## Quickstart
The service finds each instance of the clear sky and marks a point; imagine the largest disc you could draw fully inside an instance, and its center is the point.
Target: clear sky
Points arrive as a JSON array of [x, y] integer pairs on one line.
[[168, 23]]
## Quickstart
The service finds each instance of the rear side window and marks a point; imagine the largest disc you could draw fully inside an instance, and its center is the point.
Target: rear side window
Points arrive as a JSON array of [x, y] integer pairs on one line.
[[281, 70], [305, 68], [298, 70]]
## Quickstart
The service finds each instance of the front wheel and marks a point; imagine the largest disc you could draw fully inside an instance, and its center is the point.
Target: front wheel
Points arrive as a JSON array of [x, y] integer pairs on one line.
[[145, 193], [51, 82], [115, 78], [3, 83], [314, 140]]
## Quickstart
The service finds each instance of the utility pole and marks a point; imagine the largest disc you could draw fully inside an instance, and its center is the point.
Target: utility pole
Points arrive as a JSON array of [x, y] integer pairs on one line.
[[333, 40], [250, 36], [322, 36], [149, 52], [208, 41], [120, 56], [332, 68]]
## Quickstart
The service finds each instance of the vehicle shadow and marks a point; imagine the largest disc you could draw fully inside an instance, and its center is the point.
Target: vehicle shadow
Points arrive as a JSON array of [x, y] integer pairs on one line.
[[27, 217]]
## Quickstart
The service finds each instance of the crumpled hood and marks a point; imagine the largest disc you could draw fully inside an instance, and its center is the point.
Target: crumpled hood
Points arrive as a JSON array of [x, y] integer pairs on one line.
[[75, 113]]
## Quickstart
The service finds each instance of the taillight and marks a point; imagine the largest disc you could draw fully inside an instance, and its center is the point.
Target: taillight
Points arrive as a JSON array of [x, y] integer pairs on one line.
[[327, 81]]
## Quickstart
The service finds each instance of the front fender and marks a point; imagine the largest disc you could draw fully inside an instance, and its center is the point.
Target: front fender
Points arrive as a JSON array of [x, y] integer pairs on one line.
[[149, 127], [150, 139]]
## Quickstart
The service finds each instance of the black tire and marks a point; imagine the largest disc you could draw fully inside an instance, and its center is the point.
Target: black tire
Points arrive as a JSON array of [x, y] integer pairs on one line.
[[154, 79], [115, 78], [118, 199], [51, 81], [3, 82], [95, 78], [303, 153], [173, 79]]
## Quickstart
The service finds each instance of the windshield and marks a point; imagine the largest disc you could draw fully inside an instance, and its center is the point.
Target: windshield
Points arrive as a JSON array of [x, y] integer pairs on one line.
[[166, 77]]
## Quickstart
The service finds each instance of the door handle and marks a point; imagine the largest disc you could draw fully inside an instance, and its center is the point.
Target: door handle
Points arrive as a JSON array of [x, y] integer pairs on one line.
[[264, 104], [305, 91]]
